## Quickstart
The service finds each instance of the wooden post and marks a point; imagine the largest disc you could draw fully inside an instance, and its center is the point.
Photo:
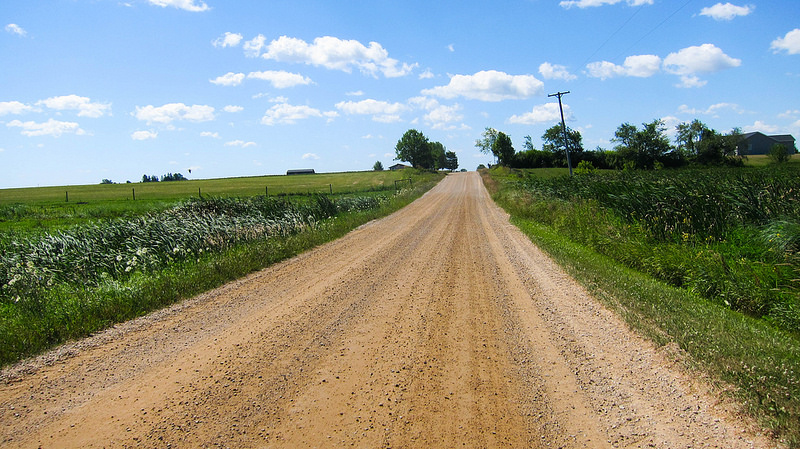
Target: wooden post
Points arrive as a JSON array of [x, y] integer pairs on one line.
[[67, 196], [198, 193], [133, 191], [266, 190], [331, 186]]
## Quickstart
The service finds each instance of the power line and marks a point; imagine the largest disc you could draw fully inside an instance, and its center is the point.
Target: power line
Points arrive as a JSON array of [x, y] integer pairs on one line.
[[652, 29]]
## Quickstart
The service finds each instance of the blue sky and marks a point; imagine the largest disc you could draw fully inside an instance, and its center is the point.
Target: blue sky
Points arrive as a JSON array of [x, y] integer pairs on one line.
[[94, 89]]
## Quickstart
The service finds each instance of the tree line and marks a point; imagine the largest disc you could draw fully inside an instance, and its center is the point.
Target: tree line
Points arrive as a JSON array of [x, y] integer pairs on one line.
[[647, 147]]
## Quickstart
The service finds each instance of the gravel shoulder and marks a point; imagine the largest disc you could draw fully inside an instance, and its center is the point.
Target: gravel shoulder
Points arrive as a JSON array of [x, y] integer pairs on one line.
[[438, 326]]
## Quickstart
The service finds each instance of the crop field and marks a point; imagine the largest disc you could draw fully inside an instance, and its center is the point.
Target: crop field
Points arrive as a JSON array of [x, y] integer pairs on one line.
[[67, 270], [703, 259]]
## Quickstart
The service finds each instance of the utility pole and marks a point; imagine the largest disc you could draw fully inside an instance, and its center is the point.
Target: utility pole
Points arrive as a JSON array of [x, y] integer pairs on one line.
[[563, 127]]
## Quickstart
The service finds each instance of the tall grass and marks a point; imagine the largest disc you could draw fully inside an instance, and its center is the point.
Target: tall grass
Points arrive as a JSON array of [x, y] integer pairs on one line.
[[755, 360], [730, 235]]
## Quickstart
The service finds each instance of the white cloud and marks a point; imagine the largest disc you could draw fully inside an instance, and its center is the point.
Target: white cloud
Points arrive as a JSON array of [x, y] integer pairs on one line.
[[13, 28], [209, 134], [451, 48], [233, 108], [14, 107], [489, 85], [228, 79], [555, 72], [427, 74], [335, 54], [310, 156], [641, 66], [703, 58], [711, 110], [760, 126], [593, 3], [174, 111], [790, 43], [253, 47], [356, 93], [227, 40], [83, 105], [240, 143], [545, 113], [726, 11], [444, 117], [381, 111], [144, 135], [188, 5], [51, 127], [285, 113], [280, 79]]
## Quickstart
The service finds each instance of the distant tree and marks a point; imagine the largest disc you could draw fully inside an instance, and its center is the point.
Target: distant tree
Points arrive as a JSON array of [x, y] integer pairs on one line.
[[642, 148], [715, 148], [413, 148], [437, 151], [378, 166], [503, 149], [173, 177], [689, 134], [528, 144], [481, 167], [451, 160], [486, 141], [106, 181], [779, 153], [146, 178], [553, 142]]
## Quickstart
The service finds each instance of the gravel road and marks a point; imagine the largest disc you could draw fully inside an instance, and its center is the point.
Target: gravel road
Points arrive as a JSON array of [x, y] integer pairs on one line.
[[438, 326]]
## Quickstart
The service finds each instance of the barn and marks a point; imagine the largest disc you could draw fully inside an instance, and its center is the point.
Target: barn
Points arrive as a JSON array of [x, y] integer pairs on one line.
[[760, 143], [300, 171]]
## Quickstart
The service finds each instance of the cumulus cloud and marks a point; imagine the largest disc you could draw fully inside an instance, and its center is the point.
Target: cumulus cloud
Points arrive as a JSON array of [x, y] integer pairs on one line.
[[427, 74], [704, 58], [144, 135], [489, 85], [790, 43], [555, 72], [233, 108], [228, 79], [712, 110], [285, 113], [332, 53], [227, 40], [215, 135], [545, 113], [307, 156], [592, 3], [13, 28], [641, 66], [167, 113], [51, 127], [187, 5], [760, 126], [280, 79], [381, 111], [83, 105], [726, 11], [14, 107], [439, 116], [240, 143]]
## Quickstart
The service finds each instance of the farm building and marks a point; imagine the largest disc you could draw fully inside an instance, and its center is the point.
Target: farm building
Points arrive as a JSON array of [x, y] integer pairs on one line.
[[301, 171], [399, 167], [760, 143]]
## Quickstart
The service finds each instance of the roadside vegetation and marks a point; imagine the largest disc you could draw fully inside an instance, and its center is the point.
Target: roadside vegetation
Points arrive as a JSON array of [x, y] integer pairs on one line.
[[703, 259], [71, 279]]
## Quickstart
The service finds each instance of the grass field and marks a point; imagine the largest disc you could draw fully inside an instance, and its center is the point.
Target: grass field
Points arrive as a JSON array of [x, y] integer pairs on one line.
[[43, 208]]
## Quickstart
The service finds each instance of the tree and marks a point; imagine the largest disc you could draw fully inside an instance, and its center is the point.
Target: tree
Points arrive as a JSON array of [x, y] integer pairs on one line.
[[779, 153], [437, 151], [503, 149], [451, 160], [378, 166], [485, 143], [106, 181], [553, 142], [413, 148], [689, 134], [642, 148]]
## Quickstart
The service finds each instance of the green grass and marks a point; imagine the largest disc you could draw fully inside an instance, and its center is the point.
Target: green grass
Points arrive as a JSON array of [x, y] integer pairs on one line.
[[747, 358], [70, 283], [46, 208]]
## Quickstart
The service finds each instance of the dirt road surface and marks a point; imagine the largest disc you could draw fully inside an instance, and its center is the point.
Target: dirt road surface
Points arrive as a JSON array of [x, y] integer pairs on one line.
[[439, 326]]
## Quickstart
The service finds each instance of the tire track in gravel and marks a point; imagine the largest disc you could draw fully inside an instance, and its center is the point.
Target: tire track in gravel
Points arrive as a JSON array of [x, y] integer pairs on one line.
[[438, 326]]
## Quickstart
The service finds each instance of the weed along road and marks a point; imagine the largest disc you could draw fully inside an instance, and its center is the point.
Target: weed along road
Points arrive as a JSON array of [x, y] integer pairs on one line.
[[438, 326]]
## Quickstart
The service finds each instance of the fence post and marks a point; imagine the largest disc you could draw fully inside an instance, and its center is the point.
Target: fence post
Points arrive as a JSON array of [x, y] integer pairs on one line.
[[266, 190], [67, 196], [331, 186], [199, 193], [133, 190]]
